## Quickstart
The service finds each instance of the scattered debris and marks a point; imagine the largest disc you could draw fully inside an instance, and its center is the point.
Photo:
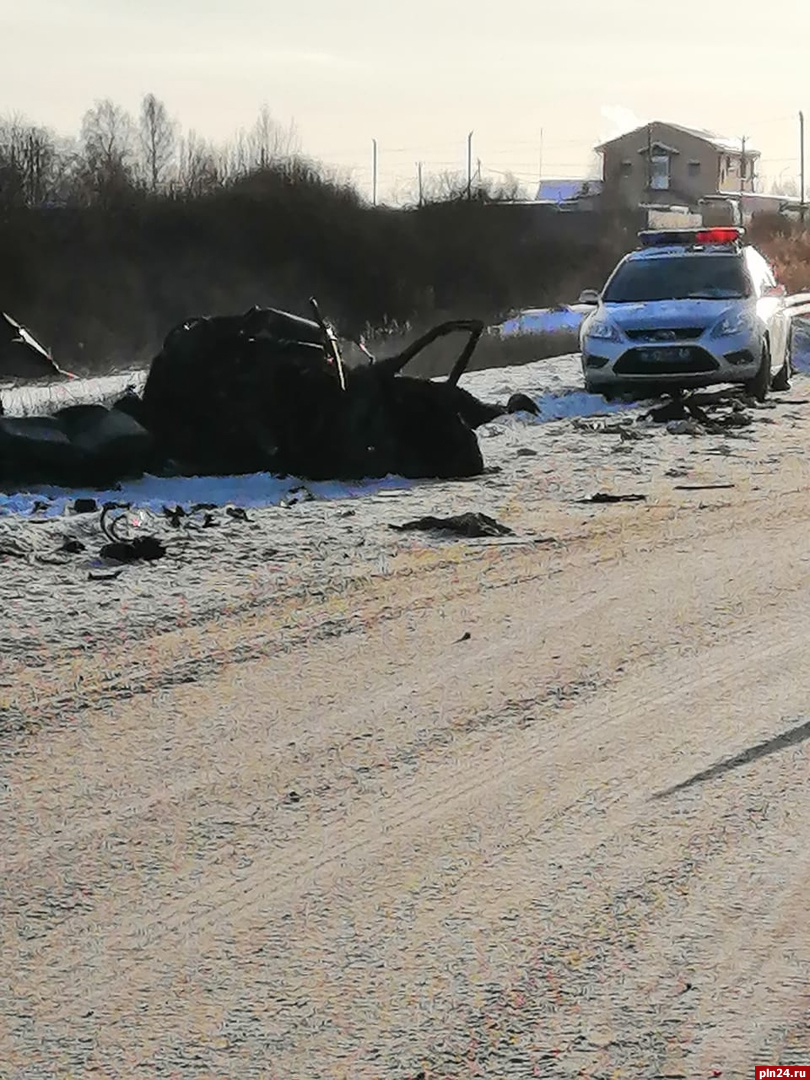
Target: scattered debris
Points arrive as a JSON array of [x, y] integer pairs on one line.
[[237, 513], [174, 514], [702, 487], [72, 546], [146, 548], [526, 451], [522, 403], [297, 495], [464, 637], [606, 427], [469, 524], [689, 415], [106, 575], [684, 427], [604, 497], [85, 506]]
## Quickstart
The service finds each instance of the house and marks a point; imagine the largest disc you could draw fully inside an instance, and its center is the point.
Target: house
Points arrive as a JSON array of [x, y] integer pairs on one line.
[[665, 164]]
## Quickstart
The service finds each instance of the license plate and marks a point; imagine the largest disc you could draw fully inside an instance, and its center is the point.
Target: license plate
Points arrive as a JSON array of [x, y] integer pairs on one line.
[[665, 356]]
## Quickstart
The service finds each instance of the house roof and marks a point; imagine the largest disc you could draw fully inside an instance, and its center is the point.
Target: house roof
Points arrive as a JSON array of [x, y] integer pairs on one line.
[[731, 145], [558, 191]]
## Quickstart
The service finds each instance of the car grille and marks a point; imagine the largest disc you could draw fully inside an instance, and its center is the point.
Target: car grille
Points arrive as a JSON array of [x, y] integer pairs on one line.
[[682, 361], [675, 333]]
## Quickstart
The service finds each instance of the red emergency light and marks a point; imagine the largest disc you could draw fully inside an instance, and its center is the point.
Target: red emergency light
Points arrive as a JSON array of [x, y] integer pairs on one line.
[[718, 235], [690, 237]]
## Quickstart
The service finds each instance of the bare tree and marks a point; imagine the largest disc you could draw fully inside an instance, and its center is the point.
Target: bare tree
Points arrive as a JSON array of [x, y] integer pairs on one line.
[[268, 140], [108, 146], [235, 158], [28, 162], [200, 169], [444, 186], [787, 187], [506, 188], [157, 136]]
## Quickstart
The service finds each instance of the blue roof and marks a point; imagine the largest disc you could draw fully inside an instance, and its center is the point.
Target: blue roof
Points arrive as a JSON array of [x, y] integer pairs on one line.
[[560, 190]]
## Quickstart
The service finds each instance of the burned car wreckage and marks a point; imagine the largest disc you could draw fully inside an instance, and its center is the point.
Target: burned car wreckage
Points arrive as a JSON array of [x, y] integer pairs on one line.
[[265, 391]]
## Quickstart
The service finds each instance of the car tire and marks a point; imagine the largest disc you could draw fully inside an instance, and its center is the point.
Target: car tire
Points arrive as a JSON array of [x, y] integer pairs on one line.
[[781, 380], [759, 386]]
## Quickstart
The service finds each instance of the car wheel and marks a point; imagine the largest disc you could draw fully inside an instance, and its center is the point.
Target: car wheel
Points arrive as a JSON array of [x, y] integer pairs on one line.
[[759, 386], [781, 380]]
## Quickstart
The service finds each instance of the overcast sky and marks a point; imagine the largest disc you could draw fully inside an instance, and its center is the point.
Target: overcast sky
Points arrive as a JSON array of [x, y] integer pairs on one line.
[[420, 76]]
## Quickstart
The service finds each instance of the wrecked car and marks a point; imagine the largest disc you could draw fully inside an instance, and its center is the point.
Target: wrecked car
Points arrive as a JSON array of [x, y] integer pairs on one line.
[[265, 391]]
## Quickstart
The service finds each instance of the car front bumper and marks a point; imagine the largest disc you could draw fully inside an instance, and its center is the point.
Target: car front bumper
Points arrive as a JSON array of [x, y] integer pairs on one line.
[[700, 362]]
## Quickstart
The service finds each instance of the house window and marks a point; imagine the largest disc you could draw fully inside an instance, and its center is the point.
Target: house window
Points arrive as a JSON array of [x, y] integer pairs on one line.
[[626, 168], [659, 172], [694, 168]]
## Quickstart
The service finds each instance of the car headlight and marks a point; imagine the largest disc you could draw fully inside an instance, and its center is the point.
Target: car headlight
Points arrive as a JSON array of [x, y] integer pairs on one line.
[[603, 330], [735, 322]]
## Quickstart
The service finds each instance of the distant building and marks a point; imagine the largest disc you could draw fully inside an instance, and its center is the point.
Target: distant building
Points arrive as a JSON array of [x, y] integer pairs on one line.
[[668, 164]]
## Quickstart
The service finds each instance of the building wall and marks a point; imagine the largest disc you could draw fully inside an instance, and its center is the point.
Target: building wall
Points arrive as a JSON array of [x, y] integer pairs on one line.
[[698, 168]]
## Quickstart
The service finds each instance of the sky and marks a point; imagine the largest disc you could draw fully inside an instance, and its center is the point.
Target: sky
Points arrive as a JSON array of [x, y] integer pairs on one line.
[[538, 83]]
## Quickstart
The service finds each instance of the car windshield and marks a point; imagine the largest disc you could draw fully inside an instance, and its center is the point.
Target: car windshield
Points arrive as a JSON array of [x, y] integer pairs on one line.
[[695, 277]]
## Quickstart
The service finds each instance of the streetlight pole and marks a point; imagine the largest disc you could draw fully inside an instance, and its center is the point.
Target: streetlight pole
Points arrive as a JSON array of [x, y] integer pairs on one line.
[[373, 172]]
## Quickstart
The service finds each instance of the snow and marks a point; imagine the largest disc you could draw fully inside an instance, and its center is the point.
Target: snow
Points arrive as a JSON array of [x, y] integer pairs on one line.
[[554, 384], [544, 321], [48, 397], [155, 492]]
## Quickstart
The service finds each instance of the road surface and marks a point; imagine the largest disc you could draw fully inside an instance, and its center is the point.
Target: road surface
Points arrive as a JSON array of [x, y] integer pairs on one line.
[[510, 811]]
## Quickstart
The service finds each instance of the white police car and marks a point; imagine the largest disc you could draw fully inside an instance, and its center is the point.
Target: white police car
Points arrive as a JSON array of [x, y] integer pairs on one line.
[[690, 307]]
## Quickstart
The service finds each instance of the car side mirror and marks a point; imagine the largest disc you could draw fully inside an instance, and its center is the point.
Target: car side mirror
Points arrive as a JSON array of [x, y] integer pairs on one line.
[[588, 296]]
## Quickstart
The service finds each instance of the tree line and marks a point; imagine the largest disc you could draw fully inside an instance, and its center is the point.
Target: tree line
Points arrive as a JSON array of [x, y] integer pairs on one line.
[[117, 156]]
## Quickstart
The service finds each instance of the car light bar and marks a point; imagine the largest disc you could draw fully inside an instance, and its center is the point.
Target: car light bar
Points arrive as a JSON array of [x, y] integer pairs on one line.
[[680, 237]]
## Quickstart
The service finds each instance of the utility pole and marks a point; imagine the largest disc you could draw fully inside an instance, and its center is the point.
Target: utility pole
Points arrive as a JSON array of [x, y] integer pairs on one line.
[[419, 177], [373, 172], [540, 166], [742, 170], [469, 165], [649, 158], [801, 166]]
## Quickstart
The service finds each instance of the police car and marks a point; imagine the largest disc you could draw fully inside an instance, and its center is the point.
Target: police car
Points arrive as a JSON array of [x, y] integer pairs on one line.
[[688, 308]]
